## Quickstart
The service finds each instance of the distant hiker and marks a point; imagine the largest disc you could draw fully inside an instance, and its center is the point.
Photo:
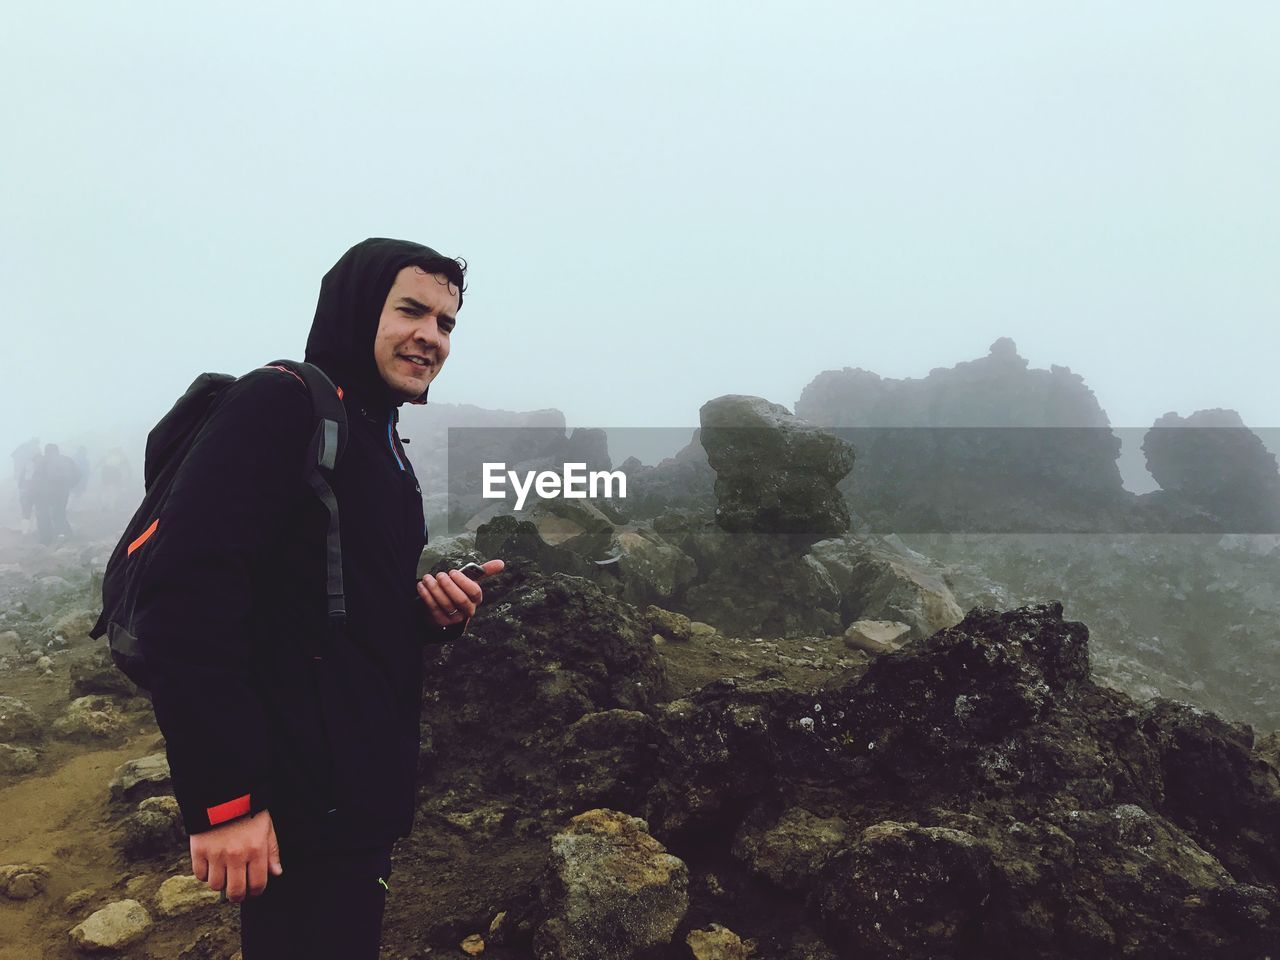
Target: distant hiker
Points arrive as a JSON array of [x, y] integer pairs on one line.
[[25, 458], [295, 773], [51, 481]]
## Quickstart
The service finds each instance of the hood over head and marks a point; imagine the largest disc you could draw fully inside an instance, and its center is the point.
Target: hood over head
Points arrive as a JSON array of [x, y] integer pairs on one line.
[[352, 294]]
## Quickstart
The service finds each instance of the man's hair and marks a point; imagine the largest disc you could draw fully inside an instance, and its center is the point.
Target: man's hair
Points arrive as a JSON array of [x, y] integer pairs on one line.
[[455, 268]]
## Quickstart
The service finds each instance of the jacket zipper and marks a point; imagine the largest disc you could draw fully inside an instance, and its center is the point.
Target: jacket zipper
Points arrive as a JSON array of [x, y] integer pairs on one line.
[[391, 438]]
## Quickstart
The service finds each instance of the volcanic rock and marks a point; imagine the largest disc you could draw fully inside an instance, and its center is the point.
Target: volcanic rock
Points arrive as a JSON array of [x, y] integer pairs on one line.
[[611, 890], [775, 473]]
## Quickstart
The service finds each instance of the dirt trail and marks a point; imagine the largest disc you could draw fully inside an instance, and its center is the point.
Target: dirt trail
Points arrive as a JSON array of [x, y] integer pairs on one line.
[[59, 820]]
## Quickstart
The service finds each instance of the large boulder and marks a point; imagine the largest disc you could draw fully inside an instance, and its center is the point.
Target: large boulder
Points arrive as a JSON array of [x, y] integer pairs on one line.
[[1212, 461], [775, 474], [611, 891], [877, 582]]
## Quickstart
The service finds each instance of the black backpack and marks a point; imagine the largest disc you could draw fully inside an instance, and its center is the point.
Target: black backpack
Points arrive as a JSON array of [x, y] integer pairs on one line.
[[168, 444]]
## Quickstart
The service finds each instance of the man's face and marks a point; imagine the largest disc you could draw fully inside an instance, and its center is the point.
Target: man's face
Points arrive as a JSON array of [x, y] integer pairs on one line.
[[416, 321]]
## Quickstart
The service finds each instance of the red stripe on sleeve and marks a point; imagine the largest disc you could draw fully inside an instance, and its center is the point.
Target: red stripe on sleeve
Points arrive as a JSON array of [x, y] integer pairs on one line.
[[229, 810]]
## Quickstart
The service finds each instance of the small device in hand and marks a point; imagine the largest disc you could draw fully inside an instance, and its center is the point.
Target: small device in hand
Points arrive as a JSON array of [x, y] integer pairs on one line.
[[473, 570]]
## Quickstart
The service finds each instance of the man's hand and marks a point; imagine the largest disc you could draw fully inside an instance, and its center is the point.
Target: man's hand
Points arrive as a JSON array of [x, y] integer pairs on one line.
[[236, 856], [452, 597]]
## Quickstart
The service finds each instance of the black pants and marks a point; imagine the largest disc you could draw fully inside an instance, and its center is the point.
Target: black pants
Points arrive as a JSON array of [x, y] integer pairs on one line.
[[320, 907], [51, 517]]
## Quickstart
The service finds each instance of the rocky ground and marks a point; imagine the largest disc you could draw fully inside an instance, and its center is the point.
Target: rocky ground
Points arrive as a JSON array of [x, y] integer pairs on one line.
[[601, 779]]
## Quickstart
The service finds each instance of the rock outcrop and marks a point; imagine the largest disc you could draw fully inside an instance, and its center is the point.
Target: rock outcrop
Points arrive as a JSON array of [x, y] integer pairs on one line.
[[1211, 462], [546, 651], [611, 891], [996, 802], [986, 445]]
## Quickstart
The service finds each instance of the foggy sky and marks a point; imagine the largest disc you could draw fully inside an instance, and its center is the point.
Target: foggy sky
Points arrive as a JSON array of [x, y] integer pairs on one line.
[[658, 205]]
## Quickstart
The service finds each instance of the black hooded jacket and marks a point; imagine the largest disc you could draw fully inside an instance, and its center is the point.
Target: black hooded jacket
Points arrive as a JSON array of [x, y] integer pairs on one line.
[[232, 597]]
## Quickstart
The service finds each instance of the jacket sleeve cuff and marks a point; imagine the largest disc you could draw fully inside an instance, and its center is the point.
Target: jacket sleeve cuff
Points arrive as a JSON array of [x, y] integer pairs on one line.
[[198, 819]]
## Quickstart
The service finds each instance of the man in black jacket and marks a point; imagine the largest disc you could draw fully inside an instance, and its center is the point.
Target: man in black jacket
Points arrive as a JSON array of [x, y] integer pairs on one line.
[[279, 760]]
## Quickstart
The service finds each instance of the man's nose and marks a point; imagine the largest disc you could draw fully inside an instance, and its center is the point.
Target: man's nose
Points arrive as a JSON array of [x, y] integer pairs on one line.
[[428, 333]]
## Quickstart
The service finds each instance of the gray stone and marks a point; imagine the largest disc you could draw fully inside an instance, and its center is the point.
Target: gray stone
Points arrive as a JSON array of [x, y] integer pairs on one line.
[[611, 890], [98, 673], [18, 722], [717, 942], [22, 881], [790, 850], [94, 717], [652, 569], [138, 779], [876, 636], [673, 626], [16, 761], [155, 829], [183, 894], [114, 927], [76, 624]]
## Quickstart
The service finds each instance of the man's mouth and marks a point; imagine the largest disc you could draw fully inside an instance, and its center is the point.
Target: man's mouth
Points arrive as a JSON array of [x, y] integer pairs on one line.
[[416, 361]]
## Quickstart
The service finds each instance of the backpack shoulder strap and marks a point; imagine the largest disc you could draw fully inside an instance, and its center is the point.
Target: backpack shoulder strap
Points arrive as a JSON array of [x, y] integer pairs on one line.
[[328, 440]]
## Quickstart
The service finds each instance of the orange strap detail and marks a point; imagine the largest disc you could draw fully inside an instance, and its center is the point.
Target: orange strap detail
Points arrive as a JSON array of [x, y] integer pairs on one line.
[[276, 366], [143, 537], [229, 810], [339, 393]]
